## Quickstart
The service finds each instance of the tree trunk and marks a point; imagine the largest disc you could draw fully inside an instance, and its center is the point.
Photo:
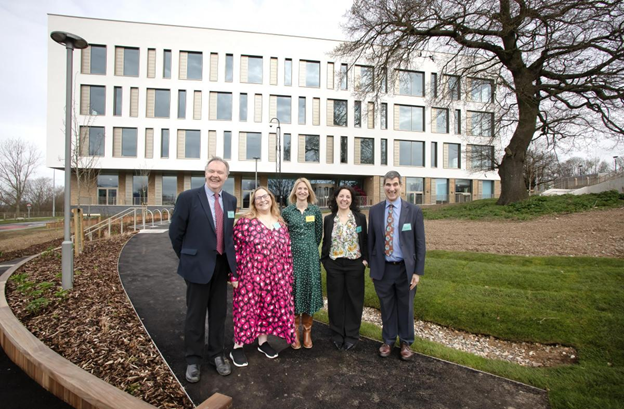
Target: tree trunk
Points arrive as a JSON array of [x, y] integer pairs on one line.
[[513, 188]]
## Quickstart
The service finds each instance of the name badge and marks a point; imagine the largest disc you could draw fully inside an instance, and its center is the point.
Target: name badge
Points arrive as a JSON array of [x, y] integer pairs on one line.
[[309, 219], [230, 214], [406, 227], [276, 225], [358, 229]]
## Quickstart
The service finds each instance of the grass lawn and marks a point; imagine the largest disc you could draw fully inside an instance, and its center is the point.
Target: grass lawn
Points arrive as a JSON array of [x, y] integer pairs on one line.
[[577, 302], [528, 209], [26, 220]]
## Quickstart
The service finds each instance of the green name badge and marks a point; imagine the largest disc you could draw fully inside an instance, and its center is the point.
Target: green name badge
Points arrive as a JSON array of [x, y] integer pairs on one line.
[[276, 225], [406, 227], [358, 229], [230, 214]]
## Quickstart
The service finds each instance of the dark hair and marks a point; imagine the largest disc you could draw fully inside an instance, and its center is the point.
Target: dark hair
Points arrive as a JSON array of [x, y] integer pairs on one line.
[[393, 174], [333, 203]]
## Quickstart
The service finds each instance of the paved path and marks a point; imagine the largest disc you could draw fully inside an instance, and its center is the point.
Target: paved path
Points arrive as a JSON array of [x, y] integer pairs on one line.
[[322, 377]]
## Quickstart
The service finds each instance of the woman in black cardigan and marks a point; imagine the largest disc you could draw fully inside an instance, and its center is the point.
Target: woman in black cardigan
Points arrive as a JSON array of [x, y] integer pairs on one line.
[[345, 256]]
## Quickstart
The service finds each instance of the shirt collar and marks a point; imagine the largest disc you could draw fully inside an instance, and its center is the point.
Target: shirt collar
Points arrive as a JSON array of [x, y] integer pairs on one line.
[[396, 203], [209, 192]]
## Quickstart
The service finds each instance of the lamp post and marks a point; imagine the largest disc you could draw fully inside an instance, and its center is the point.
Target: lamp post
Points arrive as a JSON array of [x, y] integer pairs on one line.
[[70, 41], [278, 161], [615, 163], [256, 159]]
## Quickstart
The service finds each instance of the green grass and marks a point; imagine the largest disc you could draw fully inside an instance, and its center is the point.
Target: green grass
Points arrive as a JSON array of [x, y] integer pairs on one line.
[[528, 209], [32, 219], [577, 302]]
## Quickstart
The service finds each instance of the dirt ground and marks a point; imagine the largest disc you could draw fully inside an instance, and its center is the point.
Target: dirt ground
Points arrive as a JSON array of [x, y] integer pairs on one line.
[[12, 240]]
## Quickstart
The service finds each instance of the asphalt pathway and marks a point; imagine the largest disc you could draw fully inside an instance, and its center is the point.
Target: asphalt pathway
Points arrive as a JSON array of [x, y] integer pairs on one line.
[[321, 377]]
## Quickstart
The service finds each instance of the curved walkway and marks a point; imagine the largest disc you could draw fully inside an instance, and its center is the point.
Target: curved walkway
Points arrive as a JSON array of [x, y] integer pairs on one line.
[[322, 377]]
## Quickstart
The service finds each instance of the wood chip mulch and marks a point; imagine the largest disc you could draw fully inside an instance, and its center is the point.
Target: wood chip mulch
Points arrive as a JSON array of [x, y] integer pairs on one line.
[[29, 251], [94, 325]]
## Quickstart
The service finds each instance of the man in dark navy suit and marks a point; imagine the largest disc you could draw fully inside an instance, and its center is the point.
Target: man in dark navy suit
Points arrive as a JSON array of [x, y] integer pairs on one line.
[[201, 233], [396, 248]]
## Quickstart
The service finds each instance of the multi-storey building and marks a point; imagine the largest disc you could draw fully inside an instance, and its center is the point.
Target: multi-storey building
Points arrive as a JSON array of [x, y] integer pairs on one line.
[[154, 102]]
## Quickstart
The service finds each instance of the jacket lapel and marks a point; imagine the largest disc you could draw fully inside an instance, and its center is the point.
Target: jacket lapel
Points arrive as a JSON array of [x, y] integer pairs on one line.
[[405, 215], [203, 199]]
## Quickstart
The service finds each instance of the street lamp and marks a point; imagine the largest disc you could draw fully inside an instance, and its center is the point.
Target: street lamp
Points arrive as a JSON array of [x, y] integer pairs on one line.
[[256, 159], [70, 41], [278, 161], [615, 163]]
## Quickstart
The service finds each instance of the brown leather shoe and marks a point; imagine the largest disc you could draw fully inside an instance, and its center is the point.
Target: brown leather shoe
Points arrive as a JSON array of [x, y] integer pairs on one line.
[[297, 343], [406, 351], [307, 330], [385, 350]]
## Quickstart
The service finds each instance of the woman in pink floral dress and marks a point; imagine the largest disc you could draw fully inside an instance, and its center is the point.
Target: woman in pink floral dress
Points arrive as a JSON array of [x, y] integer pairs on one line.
[[263, 301]]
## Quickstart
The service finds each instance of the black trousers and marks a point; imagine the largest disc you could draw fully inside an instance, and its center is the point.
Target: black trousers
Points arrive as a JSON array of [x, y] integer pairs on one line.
[[397, 304], [202, 298], [345, 298]]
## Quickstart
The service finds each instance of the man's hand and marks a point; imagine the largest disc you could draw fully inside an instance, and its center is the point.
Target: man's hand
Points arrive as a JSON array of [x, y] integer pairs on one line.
[[414, 282]]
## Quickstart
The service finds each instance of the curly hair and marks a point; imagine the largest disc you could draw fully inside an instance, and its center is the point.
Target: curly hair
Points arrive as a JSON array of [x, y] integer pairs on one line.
[[333, 202]]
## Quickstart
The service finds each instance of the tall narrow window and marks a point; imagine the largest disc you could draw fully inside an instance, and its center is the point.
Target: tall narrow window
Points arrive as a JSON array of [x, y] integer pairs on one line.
[[164, 143], [434, 154], [181, 104], [344, 153], [344, 78], [312, 148], [229, 68], [453, 87], [242, 109], [452, 154], [254, 145], [384, 115], [283, 109], [224, 106], [192, 144], [434, 84], [227, 145], [384, 151], [162, 103], [458, 124], [129, 142], [131, 62], [288, 72], [302, 110], [439, 120], [254, 69], [195, 64], [94, 59], [286, 147], [167, 64], [357, 114], [93, 100], [339, 112], [96, 141], [118, 96], [169, 190], [367, 151], [310, 72]]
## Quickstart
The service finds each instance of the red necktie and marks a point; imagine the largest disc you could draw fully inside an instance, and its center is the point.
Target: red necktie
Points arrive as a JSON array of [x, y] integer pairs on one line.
[[389, 245], [219, 224]]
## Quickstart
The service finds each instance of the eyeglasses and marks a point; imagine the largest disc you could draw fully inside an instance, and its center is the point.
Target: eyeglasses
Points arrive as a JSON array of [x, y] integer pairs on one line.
[[262, 198]]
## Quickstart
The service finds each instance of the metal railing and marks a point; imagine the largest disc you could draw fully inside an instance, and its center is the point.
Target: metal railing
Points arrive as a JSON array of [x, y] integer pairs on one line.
[[125, 219]]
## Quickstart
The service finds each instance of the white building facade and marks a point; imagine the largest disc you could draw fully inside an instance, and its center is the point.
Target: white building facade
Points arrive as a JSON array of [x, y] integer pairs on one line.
[[154, 103]]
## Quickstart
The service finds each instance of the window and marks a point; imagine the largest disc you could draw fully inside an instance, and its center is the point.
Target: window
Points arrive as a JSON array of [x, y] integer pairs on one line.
[[434, 84], [164, 143], [97, 100], [339, 112], [412, 83], [384, 80], [458, 127], [254, 144], [192, 144], [440, 187], [96, 141], [242, 109], [344, 144], [162, 103], [229, 68], [253, 72], [463, 190], [452, 151], [283, 109], [411, 118], [480, 157], [414, 188], [384, 151], [129, 142], [440, 120], [312, 148], [181, 104], [286, 147], [227, 144], [167, 64], [344, 76], [224, 106], [139, 189], [384, 115], [117, 99], [130, 61], [95, 57], [367, 78], [411, 153], [248, 186], [480, 90], [487, 189], [367, 150], [107, 189], [434, 154], [453, 85], [310, 72], [197, 181], [480, 123], [169, 190], [302, 110], [288, 72], [194, 66], [357, 114]]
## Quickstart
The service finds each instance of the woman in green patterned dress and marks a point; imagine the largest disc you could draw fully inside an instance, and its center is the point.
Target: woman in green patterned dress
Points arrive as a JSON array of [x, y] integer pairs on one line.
[[305, 226]]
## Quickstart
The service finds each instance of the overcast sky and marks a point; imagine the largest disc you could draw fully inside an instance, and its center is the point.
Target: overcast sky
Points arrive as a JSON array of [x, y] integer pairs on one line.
[[24, 65]]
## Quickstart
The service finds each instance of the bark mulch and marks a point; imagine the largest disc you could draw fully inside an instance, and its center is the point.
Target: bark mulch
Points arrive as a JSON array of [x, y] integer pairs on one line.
[[94, 325]]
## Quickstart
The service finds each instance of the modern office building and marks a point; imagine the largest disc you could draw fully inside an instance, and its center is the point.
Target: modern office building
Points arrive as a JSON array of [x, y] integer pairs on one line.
[[154, 102]]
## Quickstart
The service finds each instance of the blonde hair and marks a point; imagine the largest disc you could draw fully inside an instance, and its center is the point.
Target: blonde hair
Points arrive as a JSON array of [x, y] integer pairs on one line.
[[253, 211], [293, 193]]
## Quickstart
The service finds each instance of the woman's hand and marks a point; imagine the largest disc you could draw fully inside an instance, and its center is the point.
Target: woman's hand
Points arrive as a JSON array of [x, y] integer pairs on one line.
[[234, 284], [365, 263]]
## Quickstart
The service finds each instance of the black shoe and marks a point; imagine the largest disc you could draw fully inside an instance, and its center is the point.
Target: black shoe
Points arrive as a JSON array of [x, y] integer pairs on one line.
[[193, 373], [238, 357], [267, 350], [223, 365], [348, 346], [337, 344]]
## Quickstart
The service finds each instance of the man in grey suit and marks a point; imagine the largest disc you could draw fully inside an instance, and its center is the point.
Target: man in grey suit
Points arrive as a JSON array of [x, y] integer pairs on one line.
[[396, 247], [201, 234]]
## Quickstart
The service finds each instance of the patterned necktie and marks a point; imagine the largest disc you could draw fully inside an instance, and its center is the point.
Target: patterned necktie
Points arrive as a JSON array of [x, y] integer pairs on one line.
[[219, 224], [389, 231]]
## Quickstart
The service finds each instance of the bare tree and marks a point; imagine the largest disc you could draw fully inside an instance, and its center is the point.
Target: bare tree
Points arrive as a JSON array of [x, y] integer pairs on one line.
[[40, 193], [87, 147], [540, 167], [18, 160], [559, 64]]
